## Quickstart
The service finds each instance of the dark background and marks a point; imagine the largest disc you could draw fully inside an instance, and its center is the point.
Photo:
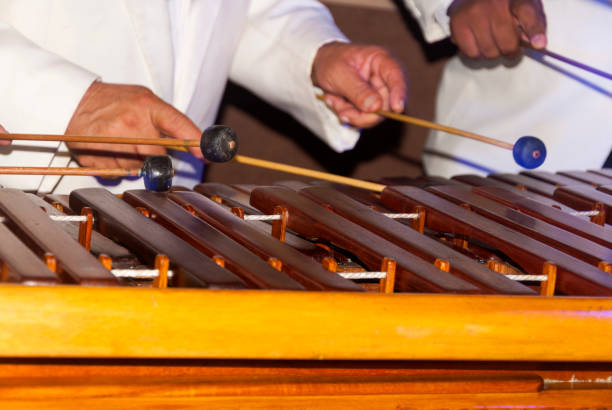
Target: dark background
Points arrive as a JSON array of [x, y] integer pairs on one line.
[[390, 149]]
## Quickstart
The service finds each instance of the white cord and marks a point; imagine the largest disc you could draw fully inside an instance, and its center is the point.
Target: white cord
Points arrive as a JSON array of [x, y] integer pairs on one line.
[[363, 275], [138, 273]]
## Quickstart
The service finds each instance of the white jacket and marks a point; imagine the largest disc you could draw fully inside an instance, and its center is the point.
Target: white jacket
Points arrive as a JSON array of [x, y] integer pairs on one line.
[[184, 50], [570, 110]]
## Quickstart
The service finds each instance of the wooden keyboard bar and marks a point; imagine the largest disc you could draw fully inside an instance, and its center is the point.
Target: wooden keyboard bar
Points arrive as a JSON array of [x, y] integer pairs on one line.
[[295, 264], [587, 177], [36, 229], [532, 184], [606, 172], [553, 179], [574, 276], [585, 198], [558, 238], [310, 219], [21, 264], [146, 239], [250, 267], [570, 223], [414, 242], [232, 197], [100, 244]]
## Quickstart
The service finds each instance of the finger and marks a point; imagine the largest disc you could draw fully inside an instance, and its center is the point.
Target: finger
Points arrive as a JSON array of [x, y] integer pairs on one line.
[[484, 38], [505, 32], [359, 119], [463, 37], [4, 142], [390, 83], [173, 123], [358, 91], [532, 20]]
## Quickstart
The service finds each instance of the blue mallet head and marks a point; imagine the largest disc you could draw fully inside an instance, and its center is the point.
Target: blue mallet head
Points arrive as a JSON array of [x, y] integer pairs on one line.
[[529, 152]]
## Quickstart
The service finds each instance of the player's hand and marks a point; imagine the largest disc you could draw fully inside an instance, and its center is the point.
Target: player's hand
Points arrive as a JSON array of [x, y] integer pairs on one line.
[[494, 28], [117, 110], [4, 142], [358, 80]]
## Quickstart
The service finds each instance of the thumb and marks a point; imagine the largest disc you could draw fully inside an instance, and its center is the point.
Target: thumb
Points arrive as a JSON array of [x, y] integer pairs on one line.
[[3, 141], [173, 123], [358, 91], [532, 20]]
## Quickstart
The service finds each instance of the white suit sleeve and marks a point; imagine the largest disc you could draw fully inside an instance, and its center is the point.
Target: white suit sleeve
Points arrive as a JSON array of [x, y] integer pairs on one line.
[[40, 90], [274, 59], [432, 17]]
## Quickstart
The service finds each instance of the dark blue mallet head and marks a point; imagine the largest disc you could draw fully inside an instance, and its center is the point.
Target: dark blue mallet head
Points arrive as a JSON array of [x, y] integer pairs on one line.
[[219, 143], [529, 152], [157, 173]]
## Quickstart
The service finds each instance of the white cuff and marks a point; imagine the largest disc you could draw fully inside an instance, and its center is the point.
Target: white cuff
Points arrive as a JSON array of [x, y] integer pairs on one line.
[[432, 17]]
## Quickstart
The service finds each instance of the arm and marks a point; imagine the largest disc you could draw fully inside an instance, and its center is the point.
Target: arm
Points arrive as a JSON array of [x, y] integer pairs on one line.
[[45, 93], [291, 46]]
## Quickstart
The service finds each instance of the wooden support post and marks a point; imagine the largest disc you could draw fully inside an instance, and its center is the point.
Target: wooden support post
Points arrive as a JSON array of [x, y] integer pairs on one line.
[[600, 218], [239, 212], [143, 211], [51, 262], [189, 209], [442, 264], [219, 260], [276, 263], [330, 264], [106, 261], [4, 272], [605, 266], [547, 288], [419, 222], [279, 227], [162, 263], [387, 284], [85, 228]]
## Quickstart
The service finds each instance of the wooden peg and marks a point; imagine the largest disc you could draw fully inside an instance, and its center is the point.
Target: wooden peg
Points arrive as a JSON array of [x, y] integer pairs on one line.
[[85, 228], [330, 264], [238, 211], [387, 284], [600, 218], [219, 260], [442, 264], [189, 209], [51, 261], [419, 222], [276, 263], [279, 227], [143, 211], [547, 288], [162, 263], [605, 266], [217, 199], [58, 206], [106, 261]]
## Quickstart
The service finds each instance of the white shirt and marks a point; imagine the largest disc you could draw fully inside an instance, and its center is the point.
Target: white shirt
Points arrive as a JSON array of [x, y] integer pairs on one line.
[[569, 109], [183, 50]]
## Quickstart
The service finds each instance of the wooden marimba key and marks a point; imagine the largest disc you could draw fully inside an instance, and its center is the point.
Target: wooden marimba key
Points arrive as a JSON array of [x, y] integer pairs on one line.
[[491, 241]]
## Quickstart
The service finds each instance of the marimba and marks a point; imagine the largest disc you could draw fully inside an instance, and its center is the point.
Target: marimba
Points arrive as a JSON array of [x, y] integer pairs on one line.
[[470, 292]]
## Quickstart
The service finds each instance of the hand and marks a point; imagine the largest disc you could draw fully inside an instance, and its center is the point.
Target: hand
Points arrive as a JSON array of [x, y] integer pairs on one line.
[[492, 28], [118, 110], [358, 80], [4, 142]]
